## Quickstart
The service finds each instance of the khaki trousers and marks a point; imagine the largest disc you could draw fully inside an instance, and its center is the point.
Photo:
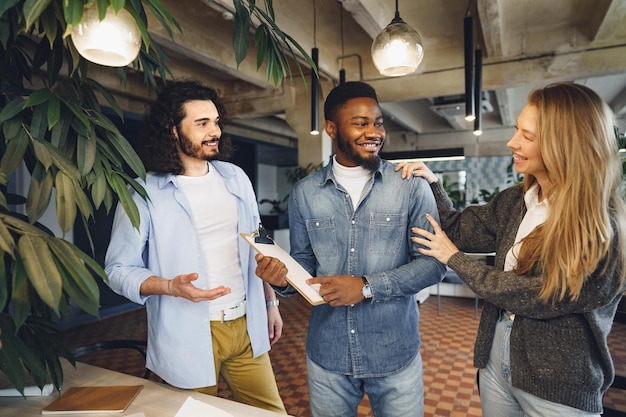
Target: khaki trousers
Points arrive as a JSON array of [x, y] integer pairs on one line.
[[250, 380]]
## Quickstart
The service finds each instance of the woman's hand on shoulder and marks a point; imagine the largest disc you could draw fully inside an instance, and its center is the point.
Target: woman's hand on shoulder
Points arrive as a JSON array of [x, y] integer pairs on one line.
[[416, 169]]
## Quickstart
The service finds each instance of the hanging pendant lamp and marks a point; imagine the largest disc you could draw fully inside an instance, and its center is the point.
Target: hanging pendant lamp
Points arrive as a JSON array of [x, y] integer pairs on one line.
[[114, 41], [398, 49]]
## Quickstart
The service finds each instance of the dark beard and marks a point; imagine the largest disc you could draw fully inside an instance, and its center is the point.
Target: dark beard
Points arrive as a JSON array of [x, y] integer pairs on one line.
[[195, 151], [371, 164]]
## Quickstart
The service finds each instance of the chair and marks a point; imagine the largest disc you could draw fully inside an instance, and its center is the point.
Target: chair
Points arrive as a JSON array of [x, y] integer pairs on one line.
[[620, 380], [136, 345]]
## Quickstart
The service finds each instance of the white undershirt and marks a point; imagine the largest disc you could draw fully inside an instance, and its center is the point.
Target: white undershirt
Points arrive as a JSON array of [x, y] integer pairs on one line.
[[353, 179], [536, 214], [214, 212]]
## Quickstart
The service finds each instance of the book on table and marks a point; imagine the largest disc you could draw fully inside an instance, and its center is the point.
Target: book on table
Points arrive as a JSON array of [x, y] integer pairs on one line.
[[97, 399]]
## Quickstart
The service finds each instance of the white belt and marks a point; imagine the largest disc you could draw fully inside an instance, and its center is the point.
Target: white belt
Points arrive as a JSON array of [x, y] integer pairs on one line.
[[230, 313]]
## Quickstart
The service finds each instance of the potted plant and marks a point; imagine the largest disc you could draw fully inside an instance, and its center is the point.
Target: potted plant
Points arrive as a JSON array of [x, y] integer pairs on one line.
[[73, 151]]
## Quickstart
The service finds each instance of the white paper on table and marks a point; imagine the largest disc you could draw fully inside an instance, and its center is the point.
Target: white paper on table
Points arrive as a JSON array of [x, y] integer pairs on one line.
[[30, 391], [197, 408]]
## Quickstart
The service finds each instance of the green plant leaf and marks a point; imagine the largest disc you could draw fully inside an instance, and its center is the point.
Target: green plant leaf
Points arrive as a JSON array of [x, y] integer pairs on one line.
[[86, 148], [241, 31], [60, 132], [42, 153], [128, 154], [82, 201], [41, 269], [54, 111], [4, 283], [126, 200], [39, 121], [39, 192], [14, 152], [37, 97], [118, 5], [73, 11], [65, 201], [78, 281], [7, 245], [20, 299], [7, 4], [60, 160], [50, 27], [32, 9], [11, 109], [163, 16], [11, 347], [32, 355], [98, 190], [93, 84]]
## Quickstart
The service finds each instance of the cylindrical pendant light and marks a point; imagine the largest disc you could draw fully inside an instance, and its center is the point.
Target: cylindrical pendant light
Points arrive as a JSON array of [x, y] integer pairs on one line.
[[468, 43], [342, 71], [114, 41], [478, 92], [315, 128]]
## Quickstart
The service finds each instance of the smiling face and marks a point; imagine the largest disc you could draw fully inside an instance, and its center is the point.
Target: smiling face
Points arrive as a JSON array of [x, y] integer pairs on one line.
[[527, 157], [358, 133], [198, 134]]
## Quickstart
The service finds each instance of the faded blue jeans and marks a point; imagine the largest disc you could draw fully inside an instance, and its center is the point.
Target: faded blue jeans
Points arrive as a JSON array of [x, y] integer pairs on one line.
[[397, 395], [500, 399]]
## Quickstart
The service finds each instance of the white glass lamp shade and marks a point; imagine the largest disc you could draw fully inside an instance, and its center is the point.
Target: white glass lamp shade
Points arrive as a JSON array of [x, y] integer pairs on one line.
[[397, 50], [115, 41]]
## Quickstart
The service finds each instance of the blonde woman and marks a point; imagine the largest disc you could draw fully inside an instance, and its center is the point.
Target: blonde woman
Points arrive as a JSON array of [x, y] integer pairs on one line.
[[560, 243]]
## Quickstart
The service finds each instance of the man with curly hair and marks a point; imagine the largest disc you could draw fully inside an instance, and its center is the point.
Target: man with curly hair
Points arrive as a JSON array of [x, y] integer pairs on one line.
[[208, 313]]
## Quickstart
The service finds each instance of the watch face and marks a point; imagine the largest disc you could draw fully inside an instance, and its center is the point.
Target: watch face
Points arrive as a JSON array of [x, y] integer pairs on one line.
[[366, 291]]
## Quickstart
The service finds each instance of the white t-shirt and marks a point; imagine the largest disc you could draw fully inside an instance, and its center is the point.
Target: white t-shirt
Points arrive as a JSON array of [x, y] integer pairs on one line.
[[214, 212]]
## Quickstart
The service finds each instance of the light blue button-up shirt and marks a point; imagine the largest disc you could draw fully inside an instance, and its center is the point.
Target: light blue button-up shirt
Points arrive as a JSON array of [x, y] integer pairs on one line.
[[166, 245], [375, 337]]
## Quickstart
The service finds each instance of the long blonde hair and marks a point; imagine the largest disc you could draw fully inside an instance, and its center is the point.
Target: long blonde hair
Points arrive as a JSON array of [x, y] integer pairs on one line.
[[576, 137]]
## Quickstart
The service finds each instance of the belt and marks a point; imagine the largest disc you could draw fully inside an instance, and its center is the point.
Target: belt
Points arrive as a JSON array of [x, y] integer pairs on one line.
[[508, 315], [230, 313]]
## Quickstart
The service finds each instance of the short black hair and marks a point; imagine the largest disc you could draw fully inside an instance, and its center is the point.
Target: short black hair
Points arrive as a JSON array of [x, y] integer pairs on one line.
[[339, 95]]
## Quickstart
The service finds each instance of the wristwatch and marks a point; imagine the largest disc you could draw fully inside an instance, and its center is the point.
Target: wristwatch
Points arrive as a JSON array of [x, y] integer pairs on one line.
[[366, 290]]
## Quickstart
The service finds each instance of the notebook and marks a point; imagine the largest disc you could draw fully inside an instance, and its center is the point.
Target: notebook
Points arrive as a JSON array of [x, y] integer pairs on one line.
[[109, 399]]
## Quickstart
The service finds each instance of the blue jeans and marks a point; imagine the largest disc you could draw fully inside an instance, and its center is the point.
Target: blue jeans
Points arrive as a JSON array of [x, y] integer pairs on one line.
[[337, 395], [500, 399]]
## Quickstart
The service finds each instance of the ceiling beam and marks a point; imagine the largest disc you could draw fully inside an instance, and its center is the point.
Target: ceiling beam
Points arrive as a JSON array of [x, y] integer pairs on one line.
[[535, 71], [490, 27], [369, 14]]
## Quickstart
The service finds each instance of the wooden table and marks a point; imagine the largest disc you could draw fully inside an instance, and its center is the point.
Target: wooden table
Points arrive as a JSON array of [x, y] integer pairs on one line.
[[155, 400]]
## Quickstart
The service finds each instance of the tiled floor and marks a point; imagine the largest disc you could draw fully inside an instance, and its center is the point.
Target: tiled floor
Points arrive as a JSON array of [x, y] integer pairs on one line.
[[447, 345]]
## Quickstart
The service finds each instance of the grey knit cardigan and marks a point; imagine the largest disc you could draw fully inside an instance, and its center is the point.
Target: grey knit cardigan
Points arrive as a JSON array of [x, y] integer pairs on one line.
[[558, 352]]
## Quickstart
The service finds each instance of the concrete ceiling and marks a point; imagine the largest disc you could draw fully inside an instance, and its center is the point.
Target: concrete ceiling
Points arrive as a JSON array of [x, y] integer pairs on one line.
[[526, 44]]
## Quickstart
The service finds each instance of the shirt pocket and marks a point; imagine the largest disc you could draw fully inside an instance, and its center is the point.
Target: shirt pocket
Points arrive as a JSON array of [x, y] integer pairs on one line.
[[323, 236], [386, 233]]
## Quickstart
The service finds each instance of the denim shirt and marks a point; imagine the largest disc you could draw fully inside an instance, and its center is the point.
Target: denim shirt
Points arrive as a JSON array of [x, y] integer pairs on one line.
[[328, 236], [166, 245]]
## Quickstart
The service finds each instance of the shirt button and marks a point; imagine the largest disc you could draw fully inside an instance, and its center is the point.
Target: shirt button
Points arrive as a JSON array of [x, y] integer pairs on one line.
[[317, 223], [352, 331], [353, 222], [351, 249], [388, 219]]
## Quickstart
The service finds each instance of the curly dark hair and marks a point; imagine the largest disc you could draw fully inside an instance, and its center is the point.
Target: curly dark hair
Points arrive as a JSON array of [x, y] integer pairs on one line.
[[158, 149]]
